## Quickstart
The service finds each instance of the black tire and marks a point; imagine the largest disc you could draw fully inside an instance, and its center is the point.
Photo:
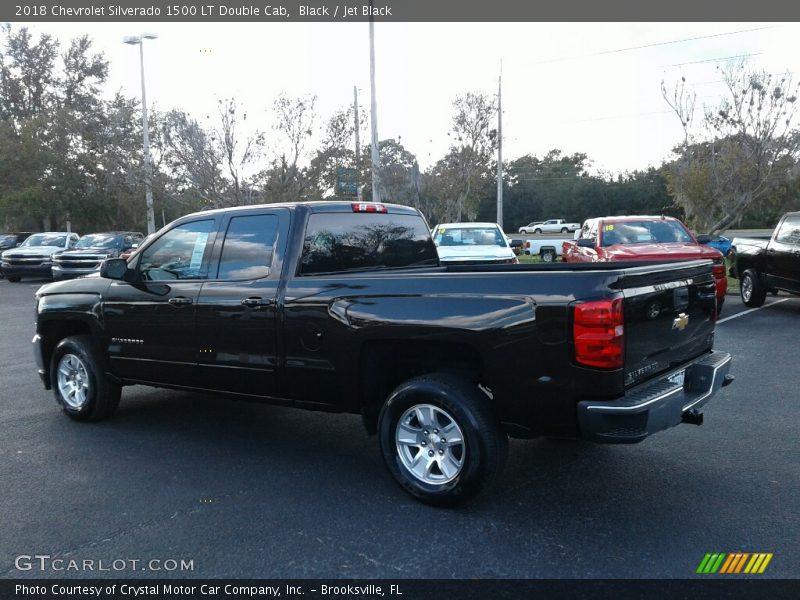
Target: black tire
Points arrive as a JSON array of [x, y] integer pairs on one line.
[[537, 231], [481, 456], [101, 396], [751, 289], [13, 278], [564, 230], [548, 255], [720, 304]]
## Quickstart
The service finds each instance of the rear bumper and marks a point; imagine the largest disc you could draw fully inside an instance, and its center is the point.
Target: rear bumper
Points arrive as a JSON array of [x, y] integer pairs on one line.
[[655, 405]]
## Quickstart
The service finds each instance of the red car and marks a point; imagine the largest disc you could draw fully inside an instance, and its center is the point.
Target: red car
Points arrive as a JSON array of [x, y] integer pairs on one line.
[[643, 238]]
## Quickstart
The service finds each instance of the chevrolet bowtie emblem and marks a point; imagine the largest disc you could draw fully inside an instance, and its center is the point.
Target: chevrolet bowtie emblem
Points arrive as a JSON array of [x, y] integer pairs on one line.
[[680, 322]]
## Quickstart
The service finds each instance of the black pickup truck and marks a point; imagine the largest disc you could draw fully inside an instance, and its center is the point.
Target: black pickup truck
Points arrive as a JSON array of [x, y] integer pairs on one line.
[[768, 265], [344, 307]]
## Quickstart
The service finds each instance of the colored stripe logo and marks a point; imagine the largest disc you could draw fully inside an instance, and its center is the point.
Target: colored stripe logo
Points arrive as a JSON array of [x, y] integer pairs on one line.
[[734, 562]]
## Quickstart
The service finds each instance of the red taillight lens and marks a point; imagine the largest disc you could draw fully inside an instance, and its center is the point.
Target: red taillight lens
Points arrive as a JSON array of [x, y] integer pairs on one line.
[[598, 332], [718, 268], [368, 207]]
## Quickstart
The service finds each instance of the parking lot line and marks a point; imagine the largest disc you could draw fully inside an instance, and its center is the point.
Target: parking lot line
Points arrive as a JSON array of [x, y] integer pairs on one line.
[[745, 312]]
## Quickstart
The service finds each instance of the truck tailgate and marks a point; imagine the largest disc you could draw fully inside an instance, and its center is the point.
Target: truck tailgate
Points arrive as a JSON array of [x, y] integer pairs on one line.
[[669, 313]]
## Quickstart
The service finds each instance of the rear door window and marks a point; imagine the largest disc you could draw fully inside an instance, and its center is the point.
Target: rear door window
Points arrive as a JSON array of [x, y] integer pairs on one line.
[[346, 241]]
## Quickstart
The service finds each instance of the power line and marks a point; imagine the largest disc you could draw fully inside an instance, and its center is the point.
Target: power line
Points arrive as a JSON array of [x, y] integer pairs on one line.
[[697, 62], [653, 45]]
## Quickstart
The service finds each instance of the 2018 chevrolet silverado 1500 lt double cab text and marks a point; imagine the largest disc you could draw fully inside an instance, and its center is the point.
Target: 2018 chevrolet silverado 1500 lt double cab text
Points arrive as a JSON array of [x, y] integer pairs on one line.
[[770, 264], [345, 307]]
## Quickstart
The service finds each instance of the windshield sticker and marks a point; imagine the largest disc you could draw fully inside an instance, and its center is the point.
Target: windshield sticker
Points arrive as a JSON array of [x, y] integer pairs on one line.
[[199, 250], [608, 228]]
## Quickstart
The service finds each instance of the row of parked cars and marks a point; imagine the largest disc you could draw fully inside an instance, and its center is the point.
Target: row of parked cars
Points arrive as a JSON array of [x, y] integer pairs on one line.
[[62, 254], [763, 265]]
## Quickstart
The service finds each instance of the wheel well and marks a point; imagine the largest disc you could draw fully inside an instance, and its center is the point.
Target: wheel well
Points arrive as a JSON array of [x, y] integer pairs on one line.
[[386, 364], [55, 331]]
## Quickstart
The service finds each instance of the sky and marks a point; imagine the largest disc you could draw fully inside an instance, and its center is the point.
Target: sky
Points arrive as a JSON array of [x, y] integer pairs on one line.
[[579, 87]]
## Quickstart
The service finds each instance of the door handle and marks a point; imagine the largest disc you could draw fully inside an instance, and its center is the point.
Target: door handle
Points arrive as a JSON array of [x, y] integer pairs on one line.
[[255, 302], [180, 301]]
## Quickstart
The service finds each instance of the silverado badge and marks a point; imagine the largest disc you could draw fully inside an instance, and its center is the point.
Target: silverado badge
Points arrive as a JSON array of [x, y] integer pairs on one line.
[[680, 322]]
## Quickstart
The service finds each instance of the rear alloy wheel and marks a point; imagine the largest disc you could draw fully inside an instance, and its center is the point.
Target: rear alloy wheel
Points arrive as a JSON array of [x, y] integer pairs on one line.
[[751, 289], [548, 255], [537, 231], [440, 440], [564, 230], [430, 444], [79, 382]]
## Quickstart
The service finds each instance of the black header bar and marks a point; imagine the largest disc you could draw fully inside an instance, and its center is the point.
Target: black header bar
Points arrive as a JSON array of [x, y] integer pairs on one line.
[[400, 589], [396, 10]]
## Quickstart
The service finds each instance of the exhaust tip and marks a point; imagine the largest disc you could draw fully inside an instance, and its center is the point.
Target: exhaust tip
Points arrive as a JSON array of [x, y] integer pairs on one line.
[[692, 417]]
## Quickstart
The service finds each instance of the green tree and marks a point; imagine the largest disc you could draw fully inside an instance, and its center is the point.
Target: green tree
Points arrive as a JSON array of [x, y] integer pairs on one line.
[[745, 151]]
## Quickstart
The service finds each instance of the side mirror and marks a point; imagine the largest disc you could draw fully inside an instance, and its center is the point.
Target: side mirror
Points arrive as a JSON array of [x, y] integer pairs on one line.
[[703, 238], [585, 243], [516, 243], [114, 268]]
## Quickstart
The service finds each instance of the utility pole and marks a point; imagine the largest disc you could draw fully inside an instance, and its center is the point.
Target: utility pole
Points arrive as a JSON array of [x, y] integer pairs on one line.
[[358, 142], [500, 148], [376, 165]]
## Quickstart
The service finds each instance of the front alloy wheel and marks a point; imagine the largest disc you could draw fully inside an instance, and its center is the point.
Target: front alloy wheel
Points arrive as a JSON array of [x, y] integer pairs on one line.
[[73, 381], [752, 290], [79, 380]]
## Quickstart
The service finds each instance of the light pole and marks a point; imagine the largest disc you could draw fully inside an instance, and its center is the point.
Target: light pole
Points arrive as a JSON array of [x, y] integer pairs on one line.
[[376, 161], [148, 191]]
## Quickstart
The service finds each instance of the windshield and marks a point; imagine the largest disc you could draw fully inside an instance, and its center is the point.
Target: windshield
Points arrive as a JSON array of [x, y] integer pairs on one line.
[[645, 232], [100, 240], [45, 239], [8, 239], [469, 236]]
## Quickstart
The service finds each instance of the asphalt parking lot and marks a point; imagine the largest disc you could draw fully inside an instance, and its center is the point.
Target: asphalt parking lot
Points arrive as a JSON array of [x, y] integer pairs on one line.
[[246, 490]]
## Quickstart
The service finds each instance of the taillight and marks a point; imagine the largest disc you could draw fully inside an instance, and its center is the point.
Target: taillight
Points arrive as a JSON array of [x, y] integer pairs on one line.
[[368, 207], [718, 268], [598, 332]]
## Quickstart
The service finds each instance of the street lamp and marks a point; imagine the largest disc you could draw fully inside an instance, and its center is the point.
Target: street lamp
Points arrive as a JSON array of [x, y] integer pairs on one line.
[[135, 40]]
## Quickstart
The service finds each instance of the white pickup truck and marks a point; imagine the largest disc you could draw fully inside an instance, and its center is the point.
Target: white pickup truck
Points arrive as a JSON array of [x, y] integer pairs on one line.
[[555, 226], [546, 249]]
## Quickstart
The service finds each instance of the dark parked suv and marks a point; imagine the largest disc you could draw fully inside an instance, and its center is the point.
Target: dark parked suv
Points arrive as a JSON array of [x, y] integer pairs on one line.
[[90, 252]]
